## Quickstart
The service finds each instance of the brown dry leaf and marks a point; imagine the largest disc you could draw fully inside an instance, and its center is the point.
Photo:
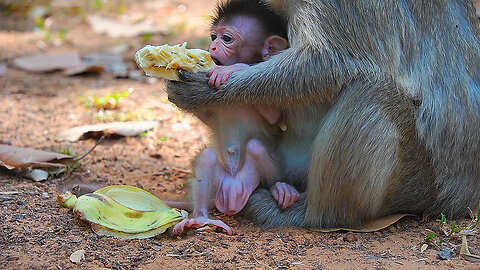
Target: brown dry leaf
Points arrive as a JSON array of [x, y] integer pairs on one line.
[[77, 256], [115, 28], [471, 258], [12, 157], [111, 62], [466, 253], [48, 62], [464, 249], [127, 129], [445, 228], [371, 226], [84, 70]]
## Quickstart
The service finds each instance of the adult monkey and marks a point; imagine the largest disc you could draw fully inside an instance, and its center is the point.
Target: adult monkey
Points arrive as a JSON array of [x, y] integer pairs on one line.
[[382, 104]]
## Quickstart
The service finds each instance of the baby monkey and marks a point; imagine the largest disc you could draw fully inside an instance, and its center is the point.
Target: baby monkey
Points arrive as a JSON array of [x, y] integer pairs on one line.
[[244, 139]]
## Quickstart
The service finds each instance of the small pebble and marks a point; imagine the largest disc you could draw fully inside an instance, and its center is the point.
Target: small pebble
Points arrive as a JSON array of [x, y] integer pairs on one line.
[[446, 253]]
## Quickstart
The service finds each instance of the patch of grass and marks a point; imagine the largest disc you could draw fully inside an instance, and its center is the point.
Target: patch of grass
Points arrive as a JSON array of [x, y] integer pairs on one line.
[[203, 42], [430, 237], [163, 138], [450, 231], [97, 4], [111, 116], [107, 102], [147, 37], [66, 151], [45, 32]]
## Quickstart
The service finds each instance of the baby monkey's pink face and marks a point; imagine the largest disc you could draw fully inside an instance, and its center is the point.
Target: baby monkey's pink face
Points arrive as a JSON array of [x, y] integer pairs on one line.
[[239, 40]]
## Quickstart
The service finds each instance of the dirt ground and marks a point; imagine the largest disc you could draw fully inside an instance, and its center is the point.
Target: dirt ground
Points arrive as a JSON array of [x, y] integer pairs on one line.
[[36, 233]]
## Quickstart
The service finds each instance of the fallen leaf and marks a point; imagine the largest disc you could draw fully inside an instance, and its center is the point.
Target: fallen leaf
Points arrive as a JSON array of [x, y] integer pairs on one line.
[[465, 252], [84, 70], [9, 192], [113, 28], [77, 256], [423, 248], [112, 62], [371, 226], [12, 157], [98, 62], [468, 232], [127, 129], [48, 62], [464, 249], [471, 258]]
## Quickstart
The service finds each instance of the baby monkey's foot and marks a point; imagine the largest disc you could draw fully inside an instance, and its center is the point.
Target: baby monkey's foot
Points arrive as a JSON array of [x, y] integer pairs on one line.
[[198, 222]]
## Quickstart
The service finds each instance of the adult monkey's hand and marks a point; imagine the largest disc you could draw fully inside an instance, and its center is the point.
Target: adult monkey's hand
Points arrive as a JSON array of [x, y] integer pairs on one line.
[[188, 92]]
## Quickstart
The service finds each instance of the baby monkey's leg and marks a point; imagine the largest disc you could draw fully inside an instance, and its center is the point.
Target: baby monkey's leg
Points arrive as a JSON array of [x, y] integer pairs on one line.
[[285, 194]]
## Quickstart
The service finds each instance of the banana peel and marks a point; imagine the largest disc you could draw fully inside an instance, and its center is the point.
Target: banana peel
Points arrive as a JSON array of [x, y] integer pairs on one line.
[[133, 197], [123, 211]]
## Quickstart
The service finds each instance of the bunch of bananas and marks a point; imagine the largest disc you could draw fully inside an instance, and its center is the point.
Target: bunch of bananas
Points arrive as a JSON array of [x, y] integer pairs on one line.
[[123, 211]]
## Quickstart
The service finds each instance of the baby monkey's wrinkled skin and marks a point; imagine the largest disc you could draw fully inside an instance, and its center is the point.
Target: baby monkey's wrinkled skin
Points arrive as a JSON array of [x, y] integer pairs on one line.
[[244, 138]]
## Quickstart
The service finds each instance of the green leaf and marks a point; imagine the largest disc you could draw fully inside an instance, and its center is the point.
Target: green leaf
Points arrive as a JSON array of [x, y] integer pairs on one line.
[[444, 218], [163, 138], [430, 237]]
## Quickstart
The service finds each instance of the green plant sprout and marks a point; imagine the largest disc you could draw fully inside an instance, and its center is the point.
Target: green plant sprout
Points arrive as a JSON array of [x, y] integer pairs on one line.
[[450, 231], [66, 151], [44, 30], [109, 101], [163, 138], [146, 37], [430, 237]]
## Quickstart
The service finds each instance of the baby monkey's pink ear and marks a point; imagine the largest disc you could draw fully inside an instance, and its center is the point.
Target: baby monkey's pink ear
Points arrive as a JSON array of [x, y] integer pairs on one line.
[[271, 115], [273, 45]]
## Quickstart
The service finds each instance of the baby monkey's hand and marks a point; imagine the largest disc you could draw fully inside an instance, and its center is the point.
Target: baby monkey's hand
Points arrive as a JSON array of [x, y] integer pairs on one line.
[[220, 74], [284, 194]]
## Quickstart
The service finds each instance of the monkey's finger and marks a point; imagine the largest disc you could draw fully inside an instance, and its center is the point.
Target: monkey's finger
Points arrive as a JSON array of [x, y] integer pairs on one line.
[[213, 78], [219, 81], [281, 196], [293, 196], [225, 78], [211, 71], [286, 198], [274, 193]]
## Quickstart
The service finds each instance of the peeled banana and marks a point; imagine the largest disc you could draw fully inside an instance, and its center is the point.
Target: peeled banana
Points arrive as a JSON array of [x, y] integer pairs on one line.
[[166, 61], [123, 211]]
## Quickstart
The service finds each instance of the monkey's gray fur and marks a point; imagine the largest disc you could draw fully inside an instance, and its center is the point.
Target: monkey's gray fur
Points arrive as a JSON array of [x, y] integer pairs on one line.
[[382, 104]]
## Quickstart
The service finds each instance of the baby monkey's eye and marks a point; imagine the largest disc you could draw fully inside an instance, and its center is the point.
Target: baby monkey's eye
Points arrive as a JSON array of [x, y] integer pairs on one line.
[[213, 37], [227, 38]]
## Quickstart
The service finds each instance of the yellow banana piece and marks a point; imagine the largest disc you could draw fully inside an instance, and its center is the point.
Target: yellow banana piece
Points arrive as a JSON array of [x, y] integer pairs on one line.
[[166, 61], [103, 210], [133, 197], [123, 211], [67, 199], [101, 230]]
